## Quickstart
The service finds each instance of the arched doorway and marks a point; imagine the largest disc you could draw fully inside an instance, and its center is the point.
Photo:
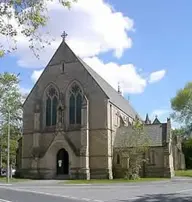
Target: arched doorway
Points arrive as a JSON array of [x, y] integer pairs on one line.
[[62, 162]]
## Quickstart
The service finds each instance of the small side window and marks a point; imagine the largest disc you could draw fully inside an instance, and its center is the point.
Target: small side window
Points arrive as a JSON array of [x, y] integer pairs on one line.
[[152, 157]]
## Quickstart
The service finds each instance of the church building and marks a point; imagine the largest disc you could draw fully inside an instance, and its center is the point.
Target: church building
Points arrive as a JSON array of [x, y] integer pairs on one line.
[[70, 122]]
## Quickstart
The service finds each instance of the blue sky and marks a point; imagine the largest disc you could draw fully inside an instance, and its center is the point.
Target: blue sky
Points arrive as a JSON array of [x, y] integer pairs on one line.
[[161, 40]]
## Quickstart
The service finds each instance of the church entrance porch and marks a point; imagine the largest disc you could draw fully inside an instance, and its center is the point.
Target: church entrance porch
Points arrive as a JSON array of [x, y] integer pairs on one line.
[[62, 162]]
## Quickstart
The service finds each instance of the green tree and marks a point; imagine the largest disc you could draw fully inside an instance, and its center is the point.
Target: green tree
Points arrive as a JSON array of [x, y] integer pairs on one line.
[[182, 106], [179, 132], [15, 134], [187, 150], [10, 103], [186, 145], [133, 148], [25, 17]]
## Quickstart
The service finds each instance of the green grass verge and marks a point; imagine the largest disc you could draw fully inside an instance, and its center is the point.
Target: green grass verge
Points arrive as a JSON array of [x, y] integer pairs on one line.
[[103, 181], [13, 180], [183, 173]]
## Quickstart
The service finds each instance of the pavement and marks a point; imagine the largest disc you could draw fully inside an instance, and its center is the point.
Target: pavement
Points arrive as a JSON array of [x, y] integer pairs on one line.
[[175, 190]]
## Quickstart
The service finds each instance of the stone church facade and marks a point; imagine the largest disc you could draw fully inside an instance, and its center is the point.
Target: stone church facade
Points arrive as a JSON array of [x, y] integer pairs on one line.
[[70, 122]]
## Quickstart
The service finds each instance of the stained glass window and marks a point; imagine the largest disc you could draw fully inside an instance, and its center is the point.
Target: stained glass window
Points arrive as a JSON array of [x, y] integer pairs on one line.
[[75, 103], [51, 106], [54, 111], [78, 108], [48, 111], [72, 109]]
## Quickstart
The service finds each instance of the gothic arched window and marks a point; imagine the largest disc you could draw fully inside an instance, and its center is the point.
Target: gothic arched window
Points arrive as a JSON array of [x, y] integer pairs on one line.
[[75, 102], [51, 106]]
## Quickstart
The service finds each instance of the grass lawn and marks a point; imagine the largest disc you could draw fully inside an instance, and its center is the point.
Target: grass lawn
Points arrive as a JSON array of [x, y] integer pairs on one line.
[[13, 180], [184, 173], [105, 181]]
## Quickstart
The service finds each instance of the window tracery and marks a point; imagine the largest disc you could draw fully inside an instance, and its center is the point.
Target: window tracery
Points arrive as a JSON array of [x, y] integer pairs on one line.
[[51, 106], [75, 103]]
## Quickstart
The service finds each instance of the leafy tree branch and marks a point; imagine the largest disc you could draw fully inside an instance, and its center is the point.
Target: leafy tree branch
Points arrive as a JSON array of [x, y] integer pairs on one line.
[[25, 18]]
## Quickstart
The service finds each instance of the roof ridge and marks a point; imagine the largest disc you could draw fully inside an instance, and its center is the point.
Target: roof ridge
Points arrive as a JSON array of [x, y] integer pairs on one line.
[[113, 94]]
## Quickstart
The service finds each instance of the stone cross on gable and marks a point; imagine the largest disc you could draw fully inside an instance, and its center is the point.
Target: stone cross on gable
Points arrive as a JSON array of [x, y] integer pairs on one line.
[[64, 35]]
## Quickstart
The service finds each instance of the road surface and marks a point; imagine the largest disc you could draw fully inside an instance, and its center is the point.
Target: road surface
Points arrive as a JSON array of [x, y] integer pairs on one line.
[[49, 191]]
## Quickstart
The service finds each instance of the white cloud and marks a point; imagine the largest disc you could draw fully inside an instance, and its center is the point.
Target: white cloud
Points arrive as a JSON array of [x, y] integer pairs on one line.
[[36, 74], [24, 91], [128, 77], [93, 27], [90, 33], [157, 76]]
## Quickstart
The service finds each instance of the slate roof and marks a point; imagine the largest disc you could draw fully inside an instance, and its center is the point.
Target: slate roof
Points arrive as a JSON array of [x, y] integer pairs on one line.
[[156, 134], [156, 121], [111, 93]]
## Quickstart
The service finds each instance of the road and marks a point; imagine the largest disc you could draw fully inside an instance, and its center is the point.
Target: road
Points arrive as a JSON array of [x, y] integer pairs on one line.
[[47, 191]]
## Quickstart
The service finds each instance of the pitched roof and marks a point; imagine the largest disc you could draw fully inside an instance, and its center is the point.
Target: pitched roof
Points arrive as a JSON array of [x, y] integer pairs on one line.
[[156, 121], [156, 133], [111, 93]]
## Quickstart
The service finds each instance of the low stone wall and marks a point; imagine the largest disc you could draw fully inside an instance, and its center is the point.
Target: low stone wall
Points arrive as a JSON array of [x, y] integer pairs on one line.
[[158, 172], [37, 174], [147, 172], [75, 173], [99, 173]]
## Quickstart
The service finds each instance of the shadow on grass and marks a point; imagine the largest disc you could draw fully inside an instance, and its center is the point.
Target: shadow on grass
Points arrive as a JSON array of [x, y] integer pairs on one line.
[[161, 198]]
